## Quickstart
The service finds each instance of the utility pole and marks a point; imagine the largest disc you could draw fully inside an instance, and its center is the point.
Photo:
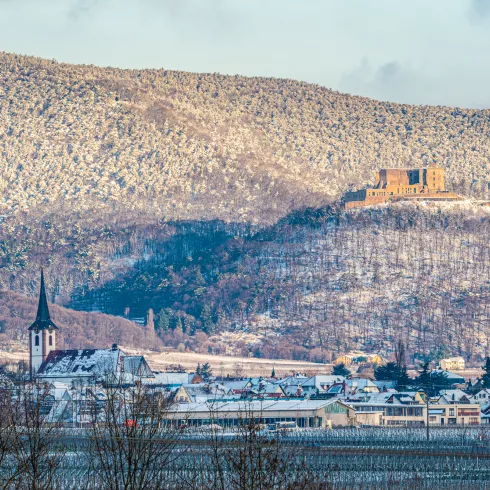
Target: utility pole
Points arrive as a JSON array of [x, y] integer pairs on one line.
[[427, 398], [427, 415]]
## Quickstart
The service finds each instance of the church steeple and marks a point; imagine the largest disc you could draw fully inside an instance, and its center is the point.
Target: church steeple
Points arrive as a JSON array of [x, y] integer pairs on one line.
[[43, 320], [42, 333]]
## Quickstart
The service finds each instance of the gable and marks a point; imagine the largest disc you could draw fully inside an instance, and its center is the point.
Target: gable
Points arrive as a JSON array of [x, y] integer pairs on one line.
[[336, 408]]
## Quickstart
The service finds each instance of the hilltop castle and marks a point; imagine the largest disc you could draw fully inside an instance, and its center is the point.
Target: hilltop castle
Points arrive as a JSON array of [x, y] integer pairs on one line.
[[402, 184]]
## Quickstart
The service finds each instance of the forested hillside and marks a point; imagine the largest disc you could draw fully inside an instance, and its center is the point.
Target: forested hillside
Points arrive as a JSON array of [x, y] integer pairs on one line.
[[320, 283], [206, 204], [205, 146], [77, 329]]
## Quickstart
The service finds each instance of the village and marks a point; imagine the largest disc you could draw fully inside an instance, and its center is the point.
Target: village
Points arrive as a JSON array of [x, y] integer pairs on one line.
[[76, 382]]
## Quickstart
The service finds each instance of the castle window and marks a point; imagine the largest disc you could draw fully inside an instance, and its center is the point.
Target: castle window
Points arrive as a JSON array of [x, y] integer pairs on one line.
[[50, 340], [36, 340]]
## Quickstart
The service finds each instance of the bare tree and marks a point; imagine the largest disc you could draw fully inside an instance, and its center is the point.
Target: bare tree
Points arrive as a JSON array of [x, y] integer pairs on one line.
[[251, 460], [132, 441], [37, 444]]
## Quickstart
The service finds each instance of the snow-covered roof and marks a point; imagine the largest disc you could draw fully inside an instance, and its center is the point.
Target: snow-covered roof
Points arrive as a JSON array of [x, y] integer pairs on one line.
[[168, 379], [80, 363], [449, 375], [254, 406], [237, 385], [137, 366], [292, 380], [270, 388], [453, 395], [323, 379], [360, 383], [380, 397]]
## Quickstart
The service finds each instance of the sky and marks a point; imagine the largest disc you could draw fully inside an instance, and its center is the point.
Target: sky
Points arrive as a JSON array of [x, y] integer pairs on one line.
[[419, 51]]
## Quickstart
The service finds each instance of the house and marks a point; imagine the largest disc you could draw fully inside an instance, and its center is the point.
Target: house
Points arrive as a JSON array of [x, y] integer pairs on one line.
[[295, 379], [442, 413], [395, 413], [377, 359], [452, 364], [89, 366], [361, 385], [320, 383], [454, 396], [238, 387], [399, 409], [293, 391], [482, 397], [346, 360], [357, 357], [203, 392], [269, 390]]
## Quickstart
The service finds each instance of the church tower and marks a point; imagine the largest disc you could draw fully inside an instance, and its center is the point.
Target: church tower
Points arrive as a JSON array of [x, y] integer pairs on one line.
[[42, 333]]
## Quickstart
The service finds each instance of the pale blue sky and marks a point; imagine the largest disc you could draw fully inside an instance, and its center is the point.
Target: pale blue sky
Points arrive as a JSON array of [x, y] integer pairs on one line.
[[417, 51]]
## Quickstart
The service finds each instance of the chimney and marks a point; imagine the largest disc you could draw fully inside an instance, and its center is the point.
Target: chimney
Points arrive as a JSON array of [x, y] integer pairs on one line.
[[114, 346]]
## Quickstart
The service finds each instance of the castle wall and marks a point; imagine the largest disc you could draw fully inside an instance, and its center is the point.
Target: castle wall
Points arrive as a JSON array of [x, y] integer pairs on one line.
[[394, 184], [368, 201]]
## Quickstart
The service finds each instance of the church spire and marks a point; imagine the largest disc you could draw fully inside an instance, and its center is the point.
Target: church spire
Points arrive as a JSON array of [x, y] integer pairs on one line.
[[43, 320]]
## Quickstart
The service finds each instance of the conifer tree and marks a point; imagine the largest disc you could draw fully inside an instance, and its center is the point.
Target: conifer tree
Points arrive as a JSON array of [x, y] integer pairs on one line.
[[485, 379], [341, 370]]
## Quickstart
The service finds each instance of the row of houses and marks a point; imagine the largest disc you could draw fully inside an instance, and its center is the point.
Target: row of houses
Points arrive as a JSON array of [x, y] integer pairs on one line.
[[315, 401]]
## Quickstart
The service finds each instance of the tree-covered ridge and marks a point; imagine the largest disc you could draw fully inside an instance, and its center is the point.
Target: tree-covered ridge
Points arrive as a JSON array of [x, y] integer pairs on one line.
[[318, 284], [194, 146], [78, 329]]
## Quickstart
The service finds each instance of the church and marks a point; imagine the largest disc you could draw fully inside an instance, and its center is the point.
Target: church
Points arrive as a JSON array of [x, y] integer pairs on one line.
[[80, 366]]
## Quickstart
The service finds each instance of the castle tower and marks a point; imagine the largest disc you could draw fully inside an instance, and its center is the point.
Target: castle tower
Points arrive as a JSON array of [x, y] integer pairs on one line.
[[42, 333]]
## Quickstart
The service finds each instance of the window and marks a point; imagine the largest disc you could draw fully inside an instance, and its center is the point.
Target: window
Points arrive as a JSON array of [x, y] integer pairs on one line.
[[451, 412], [50, 340], [36, 341]]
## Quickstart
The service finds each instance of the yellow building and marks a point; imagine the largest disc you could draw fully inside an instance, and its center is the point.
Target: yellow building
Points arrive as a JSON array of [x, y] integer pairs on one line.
[[356, 357], [454, 414], [452, 364]]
